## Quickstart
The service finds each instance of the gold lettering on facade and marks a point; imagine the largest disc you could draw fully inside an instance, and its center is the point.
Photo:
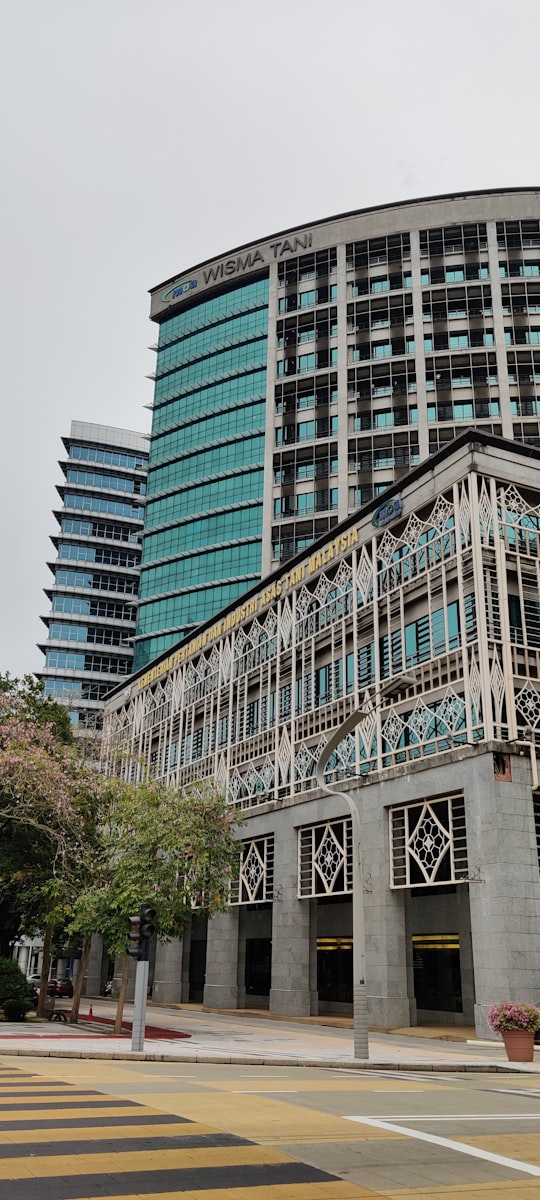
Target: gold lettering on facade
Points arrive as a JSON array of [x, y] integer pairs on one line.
[[345, 541]]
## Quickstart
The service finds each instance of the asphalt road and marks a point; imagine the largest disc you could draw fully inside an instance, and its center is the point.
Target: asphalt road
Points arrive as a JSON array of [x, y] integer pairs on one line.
[[73, 1129]]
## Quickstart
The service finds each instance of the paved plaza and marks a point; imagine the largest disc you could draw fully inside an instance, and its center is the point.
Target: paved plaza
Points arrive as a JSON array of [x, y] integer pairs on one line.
[[245, 1038]]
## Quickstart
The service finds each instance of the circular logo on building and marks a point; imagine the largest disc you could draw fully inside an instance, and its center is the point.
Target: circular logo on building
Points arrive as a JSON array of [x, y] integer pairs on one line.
[[178, 289]]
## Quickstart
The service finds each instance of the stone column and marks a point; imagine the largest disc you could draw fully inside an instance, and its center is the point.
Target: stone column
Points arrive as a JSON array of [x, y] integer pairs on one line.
[[290, 993], [221, 983], [92, 983], [504, 889], [167, 987], [384, 916], [23, 955], [184, 972]]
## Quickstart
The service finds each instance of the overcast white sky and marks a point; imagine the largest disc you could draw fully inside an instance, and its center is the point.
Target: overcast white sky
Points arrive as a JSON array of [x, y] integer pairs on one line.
[[138, 137]]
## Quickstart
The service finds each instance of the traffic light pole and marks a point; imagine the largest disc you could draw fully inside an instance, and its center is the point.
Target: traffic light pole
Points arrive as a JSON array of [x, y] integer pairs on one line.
[[139, 1007], [141, 930]]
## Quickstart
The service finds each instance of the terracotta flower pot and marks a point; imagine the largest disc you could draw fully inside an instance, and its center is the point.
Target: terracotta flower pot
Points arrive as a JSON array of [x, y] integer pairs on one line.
[[519, 1044]]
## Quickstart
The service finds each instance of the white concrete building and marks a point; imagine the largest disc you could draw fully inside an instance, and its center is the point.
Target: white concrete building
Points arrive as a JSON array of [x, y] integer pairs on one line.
[[435, 594]]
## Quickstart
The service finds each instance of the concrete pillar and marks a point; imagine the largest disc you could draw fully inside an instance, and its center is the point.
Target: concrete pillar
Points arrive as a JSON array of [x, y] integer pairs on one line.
[[290, 993], [504, 890], [221, 983], [184, 975], [384, 916], [167, 987], [23, 954], [93, 981]]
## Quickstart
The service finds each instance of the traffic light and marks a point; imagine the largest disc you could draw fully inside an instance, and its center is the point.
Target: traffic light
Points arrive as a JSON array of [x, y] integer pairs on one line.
[[147, 916], [141, 929], [134, 936]]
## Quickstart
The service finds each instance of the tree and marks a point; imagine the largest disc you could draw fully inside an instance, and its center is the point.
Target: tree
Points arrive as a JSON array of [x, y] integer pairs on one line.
[[13, 985], [173, 849], [81, 851], [28, 695], [49, 797]]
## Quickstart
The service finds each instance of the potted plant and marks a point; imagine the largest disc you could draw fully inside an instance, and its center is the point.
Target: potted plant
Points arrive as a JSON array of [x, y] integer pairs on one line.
[[517, 1025]]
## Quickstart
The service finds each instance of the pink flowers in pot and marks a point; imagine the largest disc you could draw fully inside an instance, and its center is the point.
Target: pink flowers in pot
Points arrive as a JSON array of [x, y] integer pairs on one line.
[[508, 1016]]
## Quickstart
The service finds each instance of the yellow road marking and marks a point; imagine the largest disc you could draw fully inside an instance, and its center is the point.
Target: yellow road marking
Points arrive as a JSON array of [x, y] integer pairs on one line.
[[121, 1110], [52, 1099], [264, 1121], [524, 1146], [138, 1160], [101, 1132], [502, 1190], [338, 1190]]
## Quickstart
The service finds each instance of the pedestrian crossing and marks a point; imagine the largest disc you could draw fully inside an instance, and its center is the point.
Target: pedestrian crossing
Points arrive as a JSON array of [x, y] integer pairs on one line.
[[60, 1141]]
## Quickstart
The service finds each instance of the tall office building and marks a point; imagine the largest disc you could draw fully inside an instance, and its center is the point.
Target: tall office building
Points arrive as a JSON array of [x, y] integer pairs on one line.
[[91, 623], [299, 376]]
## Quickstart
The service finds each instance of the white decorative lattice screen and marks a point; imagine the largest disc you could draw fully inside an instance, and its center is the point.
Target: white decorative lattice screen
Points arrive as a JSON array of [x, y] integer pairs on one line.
[[428, 843]]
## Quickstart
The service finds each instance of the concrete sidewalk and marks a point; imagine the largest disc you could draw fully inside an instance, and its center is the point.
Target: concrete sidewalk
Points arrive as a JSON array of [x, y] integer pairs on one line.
[[249, 1038]]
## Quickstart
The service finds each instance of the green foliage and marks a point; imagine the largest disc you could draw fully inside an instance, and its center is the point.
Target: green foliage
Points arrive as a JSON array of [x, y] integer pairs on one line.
[[80, 852], [13, 984], [173, 849], [15, 1009]]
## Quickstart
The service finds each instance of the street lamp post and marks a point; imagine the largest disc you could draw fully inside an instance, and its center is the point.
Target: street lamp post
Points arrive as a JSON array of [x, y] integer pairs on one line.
[[360, 1022]]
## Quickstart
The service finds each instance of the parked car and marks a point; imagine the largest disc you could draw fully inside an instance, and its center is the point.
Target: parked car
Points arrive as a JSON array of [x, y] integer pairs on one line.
[[60, 987], [55, 987]]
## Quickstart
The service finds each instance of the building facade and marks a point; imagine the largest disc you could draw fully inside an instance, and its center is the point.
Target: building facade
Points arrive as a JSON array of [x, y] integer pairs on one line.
[[300, 376], [432, 595], [91, 622]]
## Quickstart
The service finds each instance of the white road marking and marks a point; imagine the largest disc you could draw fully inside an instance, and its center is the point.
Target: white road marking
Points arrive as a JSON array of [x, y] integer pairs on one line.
[[265, 1092], [458, 1117], [447, 1144], [525, 1092]]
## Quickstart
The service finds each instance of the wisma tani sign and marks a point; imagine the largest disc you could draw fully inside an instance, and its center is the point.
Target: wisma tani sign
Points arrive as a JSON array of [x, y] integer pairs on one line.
[[226, 268]]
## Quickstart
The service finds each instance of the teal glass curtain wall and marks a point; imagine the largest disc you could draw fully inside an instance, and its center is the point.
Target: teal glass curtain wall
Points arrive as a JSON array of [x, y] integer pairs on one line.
[[203, 528]]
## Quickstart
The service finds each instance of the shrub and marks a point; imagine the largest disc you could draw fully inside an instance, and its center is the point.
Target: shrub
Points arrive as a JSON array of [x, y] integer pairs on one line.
[[13, 984], [15, 1009], [509, 1016]]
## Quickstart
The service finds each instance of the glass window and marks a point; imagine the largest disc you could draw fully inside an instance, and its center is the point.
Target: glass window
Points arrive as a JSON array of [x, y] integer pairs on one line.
[[105, 482], [95, 504], [305, 503], [60, 632], [230, 455], [114, 458], [382, 284]]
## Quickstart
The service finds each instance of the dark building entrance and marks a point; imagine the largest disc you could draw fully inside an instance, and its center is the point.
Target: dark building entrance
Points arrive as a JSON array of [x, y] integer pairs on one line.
[[437, 972], [197, 971], [258, 966], [335, 969]]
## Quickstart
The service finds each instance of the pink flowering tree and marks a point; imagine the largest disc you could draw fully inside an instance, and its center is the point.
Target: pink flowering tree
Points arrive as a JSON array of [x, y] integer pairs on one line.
[[48, 799]]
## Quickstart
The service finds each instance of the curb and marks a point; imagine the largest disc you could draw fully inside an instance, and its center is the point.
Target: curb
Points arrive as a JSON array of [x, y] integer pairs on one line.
[[285, 1061]]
